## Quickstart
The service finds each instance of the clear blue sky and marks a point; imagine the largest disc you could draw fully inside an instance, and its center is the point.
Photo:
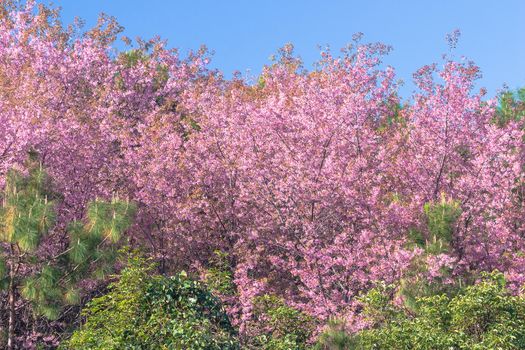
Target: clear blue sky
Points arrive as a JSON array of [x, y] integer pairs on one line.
[[243, 34]]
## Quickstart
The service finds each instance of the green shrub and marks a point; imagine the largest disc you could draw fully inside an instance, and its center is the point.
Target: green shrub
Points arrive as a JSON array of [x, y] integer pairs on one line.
[[143, 311], [484, 316], [278, 326], [335, 337], [219, 276]]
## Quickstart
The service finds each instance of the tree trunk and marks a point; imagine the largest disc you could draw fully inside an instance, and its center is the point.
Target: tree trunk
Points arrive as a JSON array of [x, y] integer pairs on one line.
[[11, 303], [11, 307], [3, 329]]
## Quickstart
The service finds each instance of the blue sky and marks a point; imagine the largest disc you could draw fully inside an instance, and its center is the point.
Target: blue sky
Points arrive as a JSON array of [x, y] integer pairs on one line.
[[244, 34]]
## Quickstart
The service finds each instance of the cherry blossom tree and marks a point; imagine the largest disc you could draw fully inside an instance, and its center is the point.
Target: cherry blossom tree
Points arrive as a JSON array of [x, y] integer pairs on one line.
[[315, 183]]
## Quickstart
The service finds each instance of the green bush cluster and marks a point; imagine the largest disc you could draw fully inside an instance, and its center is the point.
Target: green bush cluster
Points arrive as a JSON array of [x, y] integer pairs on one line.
[[147, 311], [484, 316], [278, 326]]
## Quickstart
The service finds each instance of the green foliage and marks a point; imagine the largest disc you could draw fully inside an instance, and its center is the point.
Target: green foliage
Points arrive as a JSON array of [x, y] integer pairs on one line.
[[482, 316], [335, 337], [26, 214], [219, 276], [132, 58], [26, 217], [142, 56], [377, 304], [116, 309], [392, 118], [279, 326], [412, 289], [511, 107], [261, 82], [44, 291], [144, 311], [4, 281], [106, 221], [440, 220]]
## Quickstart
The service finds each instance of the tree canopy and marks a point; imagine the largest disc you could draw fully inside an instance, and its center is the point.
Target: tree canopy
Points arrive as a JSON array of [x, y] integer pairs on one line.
[[312, 184]]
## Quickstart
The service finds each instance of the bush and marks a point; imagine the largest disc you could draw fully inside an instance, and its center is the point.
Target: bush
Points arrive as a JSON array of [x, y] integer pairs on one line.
[[143, 311], [482, 317], [278, 326]]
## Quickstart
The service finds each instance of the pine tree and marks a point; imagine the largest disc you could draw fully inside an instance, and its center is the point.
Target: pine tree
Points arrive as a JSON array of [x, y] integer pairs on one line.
[[46, 282], [511, 106]]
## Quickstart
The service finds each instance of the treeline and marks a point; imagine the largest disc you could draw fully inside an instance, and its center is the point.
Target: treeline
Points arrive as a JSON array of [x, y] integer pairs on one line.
[[151, 203]]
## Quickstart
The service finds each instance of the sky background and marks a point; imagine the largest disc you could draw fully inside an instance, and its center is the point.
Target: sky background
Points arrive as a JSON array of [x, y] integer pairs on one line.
[[244, 34]]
